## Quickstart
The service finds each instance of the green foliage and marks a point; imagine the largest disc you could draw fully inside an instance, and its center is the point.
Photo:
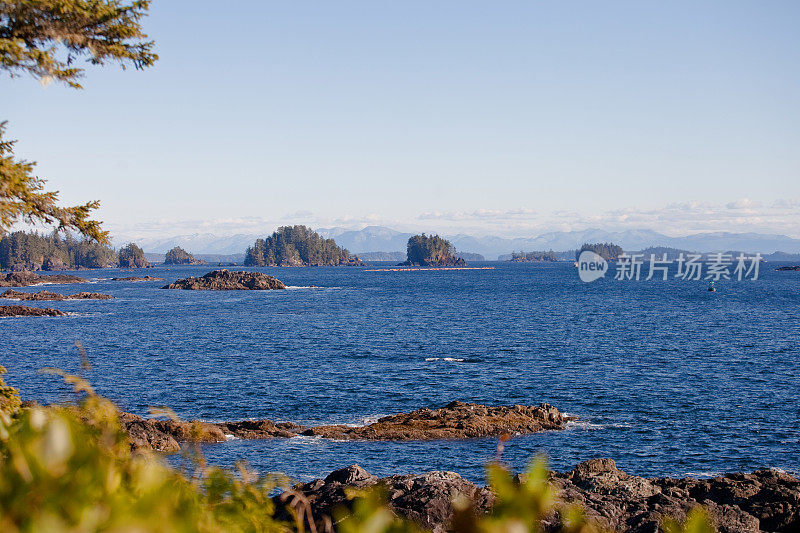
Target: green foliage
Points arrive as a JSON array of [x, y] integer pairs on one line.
[[697, 521], [431, 250], [607, 250], [45, 37], [33, 251], [22, 198], [296, 246], [69, 468], [179, 256], [131, 256], [9, 396], [530, 257]]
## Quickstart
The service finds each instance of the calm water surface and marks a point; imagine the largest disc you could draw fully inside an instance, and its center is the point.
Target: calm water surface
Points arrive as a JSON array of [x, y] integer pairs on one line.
[[667, 378]]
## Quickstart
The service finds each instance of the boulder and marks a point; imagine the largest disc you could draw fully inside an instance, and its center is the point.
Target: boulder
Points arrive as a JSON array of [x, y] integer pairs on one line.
[[424, 498]]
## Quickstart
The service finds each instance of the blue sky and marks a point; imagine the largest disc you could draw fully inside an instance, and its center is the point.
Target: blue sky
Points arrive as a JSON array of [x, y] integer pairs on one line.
[[486, 117]]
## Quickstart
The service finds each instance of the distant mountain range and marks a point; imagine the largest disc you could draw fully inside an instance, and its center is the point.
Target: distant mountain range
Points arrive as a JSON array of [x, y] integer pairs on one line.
[[383, 239]]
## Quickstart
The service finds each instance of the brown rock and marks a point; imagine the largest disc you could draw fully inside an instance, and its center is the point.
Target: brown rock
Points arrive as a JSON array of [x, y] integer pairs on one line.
[[22, 310], [457, 420], [26, 278], [52, 296], [225, 280], [89, 296]]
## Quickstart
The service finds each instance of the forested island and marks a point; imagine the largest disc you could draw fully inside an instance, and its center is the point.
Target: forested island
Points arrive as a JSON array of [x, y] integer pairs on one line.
[[298, 246], [606, 250], [31, 251], [179, 256], [131, 256], [431, 250]]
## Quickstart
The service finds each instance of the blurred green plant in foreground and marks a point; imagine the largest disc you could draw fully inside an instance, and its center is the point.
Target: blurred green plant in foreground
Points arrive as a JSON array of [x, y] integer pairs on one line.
[[69, 468]]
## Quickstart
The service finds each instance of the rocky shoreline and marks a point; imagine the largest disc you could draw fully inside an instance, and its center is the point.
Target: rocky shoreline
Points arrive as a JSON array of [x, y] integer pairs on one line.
[[138, 278], [226, 280], [764, 500], [456, 420]]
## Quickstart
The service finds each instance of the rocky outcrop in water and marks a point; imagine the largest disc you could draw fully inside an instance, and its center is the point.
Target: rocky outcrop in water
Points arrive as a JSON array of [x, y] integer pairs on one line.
[[765, 500], [22, 310], [791, 268], [25, 279], [226, 280], [11, 294], [138, 278], [456, 420]]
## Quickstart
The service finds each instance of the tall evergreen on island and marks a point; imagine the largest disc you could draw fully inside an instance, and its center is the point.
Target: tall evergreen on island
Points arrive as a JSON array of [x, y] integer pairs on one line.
[[179, 256], [131, 256], [298, 246], [606, 250], [424, 250], [30, 251]]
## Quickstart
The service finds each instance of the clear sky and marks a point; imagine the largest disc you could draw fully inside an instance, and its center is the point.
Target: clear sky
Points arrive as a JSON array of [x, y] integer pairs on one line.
[[484, 117]]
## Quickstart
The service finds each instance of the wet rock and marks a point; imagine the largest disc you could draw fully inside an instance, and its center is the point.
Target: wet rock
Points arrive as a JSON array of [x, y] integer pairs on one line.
[[11, 294], [226, 280], [794, 268], [26, 278], [22, 310], [457, 420]]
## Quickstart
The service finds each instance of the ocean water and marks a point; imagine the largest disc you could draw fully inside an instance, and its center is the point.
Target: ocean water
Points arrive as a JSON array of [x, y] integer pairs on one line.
[[666, 378]]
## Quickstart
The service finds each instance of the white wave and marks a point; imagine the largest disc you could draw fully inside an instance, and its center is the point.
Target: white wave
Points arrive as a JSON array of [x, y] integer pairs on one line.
[[447, 359], [231, 437]]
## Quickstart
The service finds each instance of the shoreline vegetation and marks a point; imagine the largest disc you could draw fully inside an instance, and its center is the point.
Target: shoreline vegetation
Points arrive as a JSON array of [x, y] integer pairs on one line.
[[42, 449]]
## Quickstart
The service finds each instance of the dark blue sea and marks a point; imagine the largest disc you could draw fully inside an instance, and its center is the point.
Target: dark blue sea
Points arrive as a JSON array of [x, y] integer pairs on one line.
[[666, 378]]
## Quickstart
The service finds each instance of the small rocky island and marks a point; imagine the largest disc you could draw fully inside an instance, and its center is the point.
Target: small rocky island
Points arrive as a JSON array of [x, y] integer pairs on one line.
[[27, 278], [765, 500], [138, 278], [23, 310], [179, 256], [456, 420], [431, 251], [789, 268], [298, 246], [226, 280], [11, 294]]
